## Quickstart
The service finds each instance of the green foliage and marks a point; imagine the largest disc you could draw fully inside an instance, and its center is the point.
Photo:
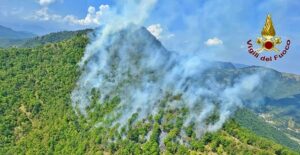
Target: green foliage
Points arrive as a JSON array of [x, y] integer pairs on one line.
[[35, 102]]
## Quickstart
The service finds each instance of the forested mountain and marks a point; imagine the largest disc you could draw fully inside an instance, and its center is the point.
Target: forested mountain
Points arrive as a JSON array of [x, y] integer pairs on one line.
[[53, 38], [34, 41], [257, 125], [37, 116]]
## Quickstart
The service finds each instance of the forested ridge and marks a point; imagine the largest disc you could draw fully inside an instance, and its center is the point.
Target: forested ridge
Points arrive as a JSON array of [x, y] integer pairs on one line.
[[249, 120], [41, 40], [37, 116]]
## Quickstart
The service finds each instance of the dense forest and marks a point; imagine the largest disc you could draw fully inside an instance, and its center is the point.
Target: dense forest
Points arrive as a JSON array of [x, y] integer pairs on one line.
[[37, 116]]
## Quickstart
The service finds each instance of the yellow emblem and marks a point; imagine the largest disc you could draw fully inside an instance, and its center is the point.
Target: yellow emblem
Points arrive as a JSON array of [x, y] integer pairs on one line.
[[268, 41]]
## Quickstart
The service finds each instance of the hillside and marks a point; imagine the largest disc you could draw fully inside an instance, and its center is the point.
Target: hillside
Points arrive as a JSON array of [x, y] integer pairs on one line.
[[35, 41], [35, 88], [53, 38], [249, 120]]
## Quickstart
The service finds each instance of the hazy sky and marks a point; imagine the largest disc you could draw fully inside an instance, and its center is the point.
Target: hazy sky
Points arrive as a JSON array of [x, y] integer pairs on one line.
[[219, 29]]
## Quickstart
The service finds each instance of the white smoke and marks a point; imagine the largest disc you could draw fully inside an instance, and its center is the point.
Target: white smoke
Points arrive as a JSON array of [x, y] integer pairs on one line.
[[125, 60]]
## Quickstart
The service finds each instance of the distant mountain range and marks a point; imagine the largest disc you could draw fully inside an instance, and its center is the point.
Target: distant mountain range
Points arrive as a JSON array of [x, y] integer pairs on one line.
[[8, 33]]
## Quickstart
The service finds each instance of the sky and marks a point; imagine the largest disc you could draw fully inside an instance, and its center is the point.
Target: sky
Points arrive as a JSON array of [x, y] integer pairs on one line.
[[217, 29]]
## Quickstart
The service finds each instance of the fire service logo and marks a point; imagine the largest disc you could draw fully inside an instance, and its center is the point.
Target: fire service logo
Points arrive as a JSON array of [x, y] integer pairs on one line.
[[268, 42]]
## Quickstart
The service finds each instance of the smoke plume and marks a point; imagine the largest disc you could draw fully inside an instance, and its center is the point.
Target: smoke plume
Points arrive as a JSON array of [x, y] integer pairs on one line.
[[126, 61]]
